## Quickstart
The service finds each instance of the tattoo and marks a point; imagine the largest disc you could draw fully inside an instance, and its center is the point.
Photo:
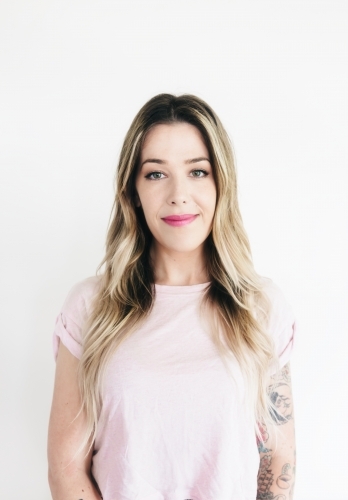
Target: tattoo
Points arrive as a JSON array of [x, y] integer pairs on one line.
[[265, 480], [282, 403], [265, 436], [262, 448], [281, 396], [265, 463], [283, 481], [282, 411], [265, 476], [283, 374]]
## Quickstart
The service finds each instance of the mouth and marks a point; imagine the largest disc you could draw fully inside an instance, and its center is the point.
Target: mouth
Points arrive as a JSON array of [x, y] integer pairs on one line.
[[179, 220]]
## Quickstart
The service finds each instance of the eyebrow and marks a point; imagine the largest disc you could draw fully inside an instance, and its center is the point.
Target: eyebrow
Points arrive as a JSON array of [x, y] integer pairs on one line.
[[187, 162]]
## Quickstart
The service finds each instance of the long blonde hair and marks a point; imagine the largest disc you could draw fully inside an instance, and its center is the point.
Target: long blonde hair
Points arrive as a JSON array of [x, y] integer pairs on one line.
[[238, 306]]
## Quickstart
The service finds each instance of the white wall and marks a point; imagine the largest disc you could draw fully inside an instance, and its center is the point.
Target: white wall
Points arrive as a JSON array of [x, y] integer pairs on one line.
[[74, 73]]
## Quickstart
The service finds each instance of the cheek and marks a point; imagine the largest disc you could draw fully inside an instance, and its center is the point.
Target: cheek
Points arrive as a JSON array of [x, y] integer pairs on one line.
[[148, 208], [151, 207], [208, 200], [145, 196]]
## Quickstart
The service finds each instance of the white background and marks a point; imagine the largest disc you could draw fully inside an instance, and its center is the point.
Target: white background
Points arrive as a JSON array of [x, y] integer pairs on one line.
[[73, 75]]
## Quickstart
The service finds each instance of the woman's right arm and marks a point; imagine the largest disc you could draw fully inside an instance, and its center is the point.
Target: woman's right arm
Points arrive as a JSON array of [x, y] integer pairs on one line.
[[69, 479]]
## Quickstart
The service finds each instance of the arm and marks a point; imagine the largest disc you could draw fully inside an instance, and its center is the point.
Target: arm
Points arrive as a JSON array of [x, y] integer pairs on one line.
[[68, 481], [276, 477]]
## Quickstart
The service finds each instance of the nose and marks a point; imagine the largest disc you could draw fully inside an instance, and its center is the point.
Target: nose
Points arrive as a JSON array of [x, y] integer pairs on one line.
[[178, 193]]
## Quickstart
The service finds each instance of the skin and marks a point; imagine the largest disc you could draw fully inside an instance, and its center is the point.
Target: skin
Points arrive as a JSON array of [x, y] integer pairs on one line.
[[68, 477], [176, 177], [276, 477]]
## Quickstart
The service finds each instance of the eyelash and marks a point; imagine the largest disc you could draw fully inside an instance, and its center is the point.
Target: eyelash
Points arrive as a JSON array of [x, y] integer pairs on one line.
[[148, 176]]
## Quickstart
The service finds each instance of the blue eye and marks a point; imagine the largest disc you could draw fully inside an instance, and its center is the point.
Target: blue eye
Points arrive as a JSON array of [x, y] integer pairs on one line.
[[200, 171], [153, 176]]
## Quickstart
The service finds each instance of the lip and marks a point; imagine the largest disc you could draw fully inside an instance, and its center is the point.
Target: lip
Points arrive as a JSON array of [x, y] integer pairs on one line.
[[179, 220]]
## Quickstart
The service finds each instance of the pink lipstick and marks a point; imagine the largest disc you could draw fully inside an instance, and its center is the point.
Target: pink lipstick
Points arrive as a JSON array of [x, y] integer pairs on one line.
[[179, 220]]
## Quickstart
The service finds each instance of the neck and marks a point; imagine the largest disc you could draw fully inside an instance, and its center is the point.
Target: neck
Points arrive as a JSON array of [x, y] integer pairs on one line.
[[178, 268]]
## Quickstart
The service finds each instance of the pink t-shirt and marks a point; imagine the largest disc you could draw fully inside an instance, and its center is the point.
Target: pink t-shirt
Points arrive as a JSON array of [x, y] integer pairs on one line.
[[173, 424]]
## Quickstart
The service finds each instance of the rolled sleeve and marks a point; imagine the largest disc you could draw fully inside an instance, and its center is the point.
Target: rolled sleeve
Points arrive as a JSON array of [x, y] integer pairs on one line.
[[73, 315], [287, 344], [282, 326], [64, 332]]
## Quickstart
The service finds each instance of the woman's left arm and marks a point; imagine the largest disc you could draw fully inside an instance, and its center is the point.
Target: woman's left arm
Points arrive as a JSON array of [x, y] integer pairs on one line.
[[276, 477]]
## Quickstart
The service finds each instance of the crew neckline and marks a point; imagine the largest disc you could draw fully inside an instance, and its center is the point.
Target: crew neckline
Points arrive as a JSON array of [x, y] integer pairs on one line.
[[181, 289]]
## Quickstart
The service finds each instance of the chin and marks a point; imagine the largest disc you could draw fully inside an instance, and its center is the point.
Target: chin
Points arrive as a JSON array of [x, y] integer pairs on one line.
[[183, 246]]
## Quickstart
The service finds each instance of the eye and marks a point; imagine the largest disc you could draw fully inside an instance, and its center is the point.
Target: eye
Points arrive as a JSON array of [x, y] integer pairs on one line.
[[154, 176], [199, 173]]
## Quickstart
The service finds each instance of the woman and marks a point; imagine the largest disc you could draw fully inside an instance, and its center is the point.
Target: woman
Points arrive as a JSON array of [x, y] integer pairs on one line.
[[172, 375]]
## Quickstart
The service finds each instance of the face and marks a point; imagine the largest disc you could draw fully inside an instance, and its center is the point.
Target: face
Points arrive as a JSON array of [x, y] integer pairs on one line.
[[175, 187]]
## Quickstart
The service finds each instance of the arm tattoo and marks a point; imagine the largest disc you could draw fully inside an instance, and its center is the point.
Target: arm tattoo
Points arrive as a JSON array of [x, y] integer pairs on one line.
[[265, 480], [283, 481], [283, 375], [264, 434], [281, 396], [282, 411]]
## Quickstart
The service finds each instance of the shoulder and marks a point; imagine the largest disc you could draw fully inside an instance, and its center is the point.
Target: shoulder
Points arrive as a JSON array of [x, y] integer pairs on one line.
[[280, 309], [79, 298], [73, 314]]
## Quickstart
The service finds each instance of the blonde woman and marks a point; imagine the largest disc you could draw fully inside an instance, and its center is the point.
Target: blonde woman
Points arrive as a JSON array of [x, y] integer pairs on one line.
[[172, 364]]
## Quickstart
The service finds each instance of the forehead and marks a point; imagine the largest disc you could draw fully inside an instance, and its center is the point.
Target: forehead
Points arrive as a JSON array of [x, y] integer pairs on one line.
[[181, 139]]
